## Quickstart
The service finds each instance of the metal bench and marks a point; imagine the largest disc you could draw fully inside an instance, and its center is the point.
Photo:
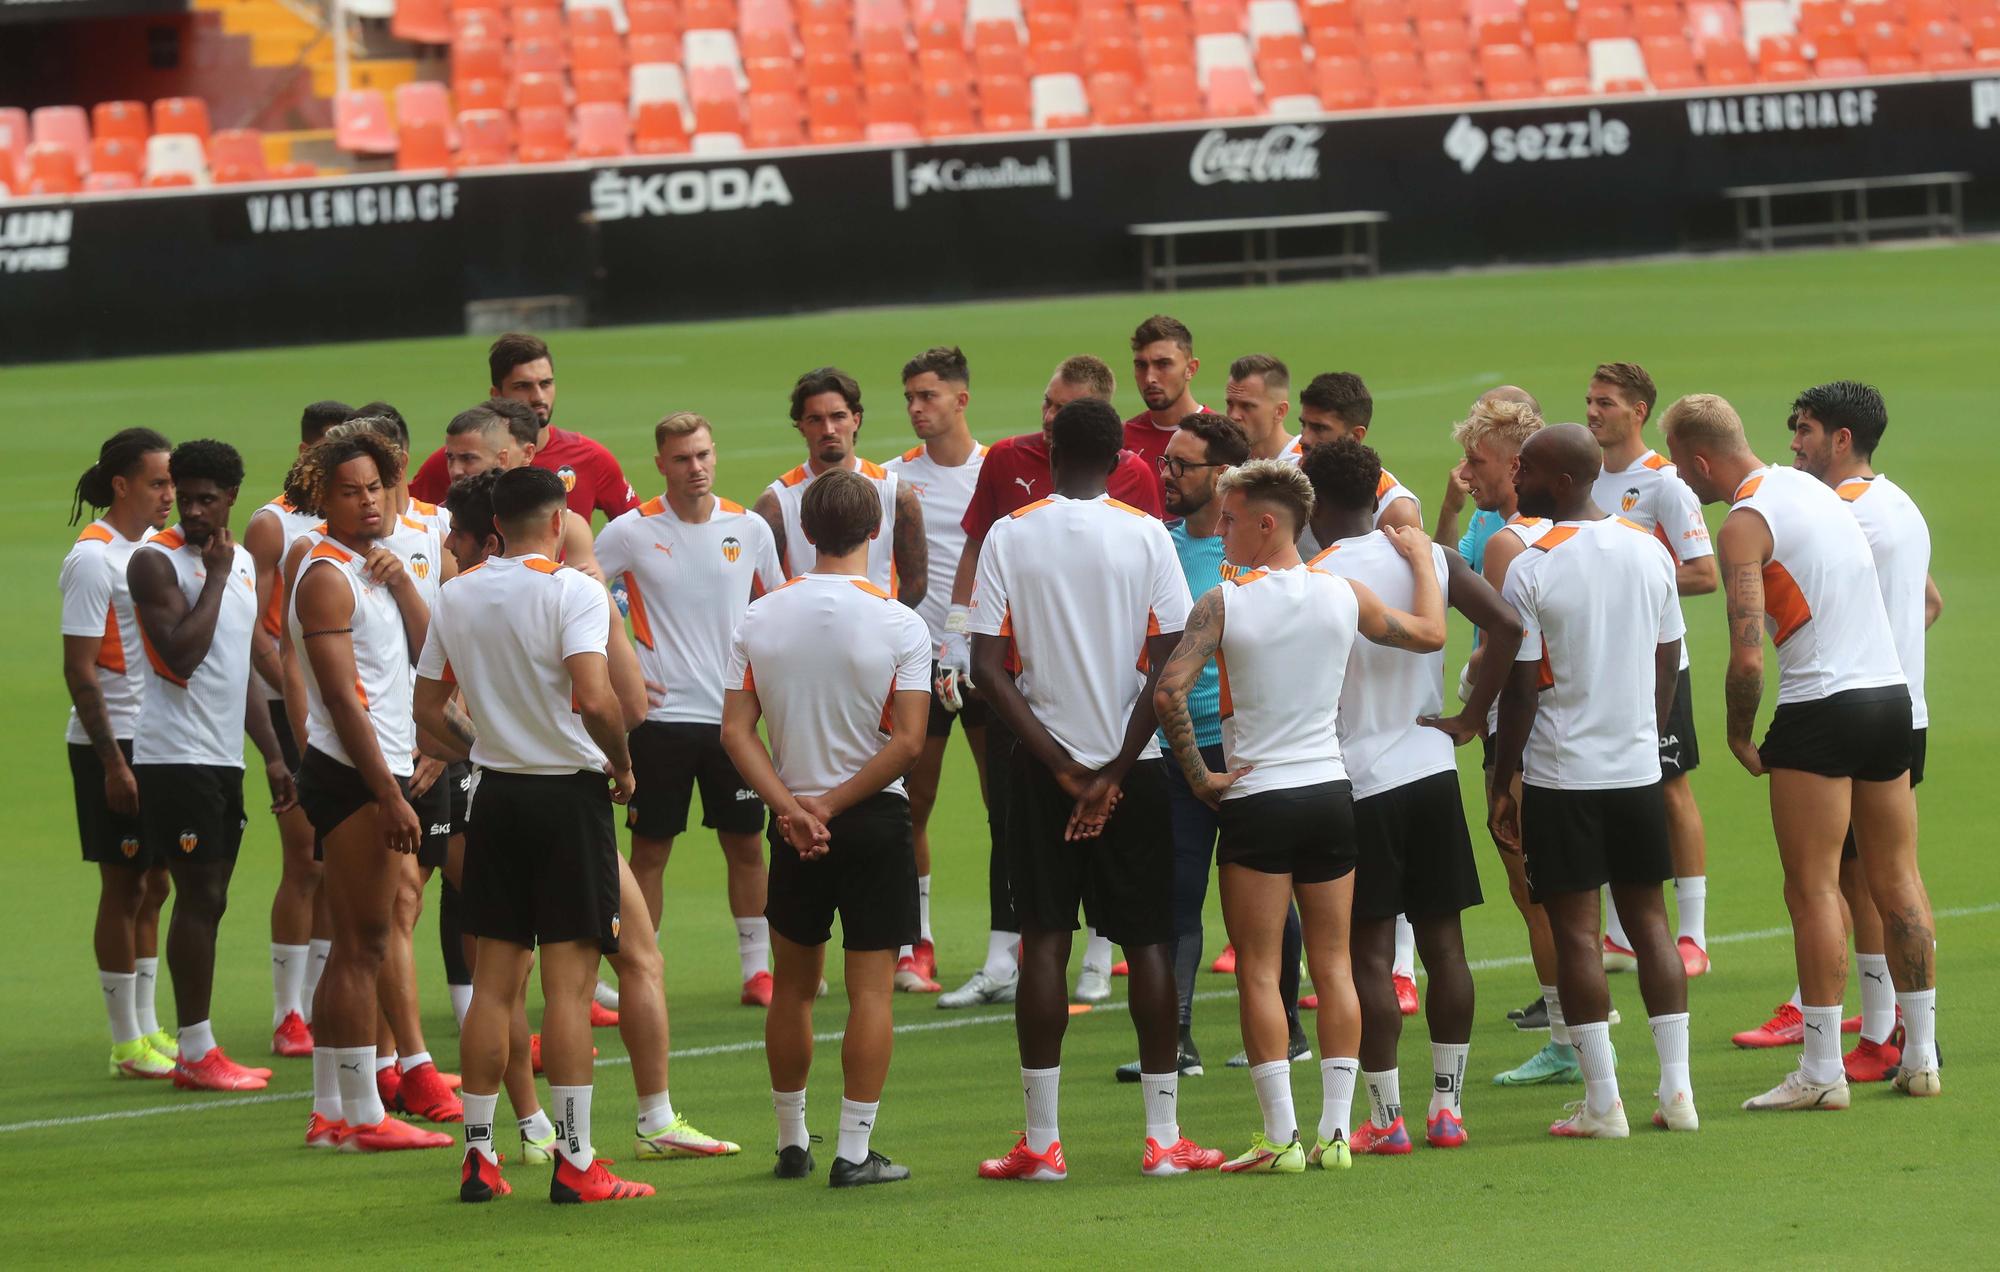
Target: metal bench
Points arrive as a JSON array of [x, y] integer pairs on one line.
[[1161, 267], [1850, 222]]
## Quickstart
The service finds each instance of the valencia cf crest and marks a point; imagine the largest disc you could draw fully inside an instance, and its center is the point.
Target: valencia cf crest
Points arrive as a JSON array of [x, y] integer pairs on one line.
[[732, 548], [189, 841], [129, 846], [420, 565], [614, 927], [1630, 500], [568, 476]]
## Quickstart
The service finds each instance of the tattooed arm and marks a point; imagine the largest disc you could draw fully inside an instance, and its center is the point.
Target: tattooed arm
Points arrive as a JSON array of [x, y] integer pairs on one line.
[[911, 551], [1199, 641], [1742, 548]]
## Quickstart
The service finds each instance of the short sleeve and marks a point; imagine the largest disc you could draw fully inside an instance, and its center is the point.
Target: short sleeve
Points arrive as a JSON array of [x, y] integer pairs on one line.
[[913, 655], [1517, 593], [1168, 590], [1680, 521], [736, 674], [987, 616], [86, 591], [585, 615], [436, 655], [613, 547]]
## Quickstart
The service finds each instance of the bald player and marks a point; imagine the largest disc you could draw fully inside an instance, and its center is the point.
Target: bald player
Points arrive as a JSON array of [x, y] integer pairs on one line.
[[1839, 750], [1579, 722]]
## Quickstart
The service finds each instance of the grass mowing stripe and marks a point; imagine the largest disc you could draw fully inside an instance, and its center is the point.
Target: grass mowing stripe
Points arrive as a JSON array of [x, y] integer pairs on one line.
[[738, 1048]]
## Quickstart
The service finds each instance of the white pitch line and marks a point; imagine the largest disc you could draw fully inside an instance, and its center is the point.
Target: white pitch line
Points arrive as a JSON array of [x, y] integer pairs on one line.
[[738, 1048]]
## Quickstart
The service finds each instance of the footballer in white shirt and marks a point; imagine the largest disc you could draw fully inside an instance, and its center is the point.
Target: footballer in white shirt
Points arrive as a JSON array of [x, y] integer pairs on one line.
[[840, 674], [1579, 721]]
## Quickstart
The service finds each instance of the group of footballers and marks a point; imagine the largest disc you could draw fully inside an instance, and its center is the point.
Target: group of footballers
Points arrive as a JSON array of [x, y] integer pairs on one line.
[[1187, 639]]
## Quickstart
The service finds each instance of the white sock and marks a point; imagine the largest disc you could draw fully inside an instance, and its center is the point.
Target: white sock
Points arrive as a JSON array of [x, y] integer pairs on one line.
[[790, 1106], [1273, 1081], [1919, 1028], [360, 1101], [1336, 1096], [1448, 1076], [461, 998], [1161, 1092], [1406, 950], [326, 1084], [536, 1126], [923, 907], [1670, 1041], [1558, 1030], [1003, 955], [1878, 997], [857, 1123], [317, 951], [288, 980], [479, 1122], [197, 1040], [1821, 1061], [385, 1062], [1041, 1086], [1614, 928], [416, 1059], [147, 974], [1691, 898], [1097, 951], [605, 996], [656, 1113], [1385, 1097], [753, 946], [905, 951], [1600, 1066], [1796, 1000], [119, 988], [573, 1125]]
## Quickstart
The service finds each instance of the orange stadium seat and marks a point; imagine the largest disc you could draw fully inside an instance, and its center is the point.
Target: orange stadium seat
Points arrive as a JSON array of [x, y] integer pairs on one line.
[[1656, 18], [181, 115], [602, 86], [1986, 45], [603, 130], [1232, 94], [1596, 20], [1780, 60], [1564, 70], [1453, 36], [1175, 94], [422, 143], [1451, 77], [237, 154], [597, 52], [659, 128], [1556, 26], [480, 94], [65, 126], [1508, 72], [479, 58], [709, 15], [1114, 99], [1943, 50], [1004, 105], [536, 24], [422, 101], [591, 22], [541, 135], [117, 154], [652, 17], [1217, 17], [889, 111], [945, 108], [1400, 83], [1342, 83], [478, 24], [1726, 63], [1054, 57], [51, 168], [1440, 11], [1285, 77], [422, 21], [833, 116], [127, 120], [539, 54], [361, 122], [109, 182], [1670, 62], [487, 138], [168, 180], [655, 46], [541, 88]]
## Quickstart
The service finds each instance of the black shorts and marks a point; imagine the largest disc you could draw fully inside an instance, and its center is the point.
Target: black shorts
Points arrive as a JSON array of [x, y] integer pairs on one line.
[[1124, 878], [1919, 747], [1415, 856], [1680, 753], [458, 778], [108, 838], [433, 809], [1578, 841], [330, 792], [868, 877], [288, 742], [541, 860], [1861, 733], [190, 812], [668, 759], [973, 714], [1306, 832]]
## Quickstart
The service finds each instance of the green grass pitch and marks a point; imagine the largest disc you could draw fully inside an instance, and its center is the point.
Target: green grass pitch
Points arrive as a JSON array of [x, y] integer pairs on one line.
[[99, 1171]]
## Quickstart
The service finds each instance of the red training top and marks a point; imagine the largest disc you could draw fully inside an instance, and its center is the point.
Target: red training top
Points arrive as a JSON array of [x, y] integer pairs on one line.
[[1016, 473], [589, 472]]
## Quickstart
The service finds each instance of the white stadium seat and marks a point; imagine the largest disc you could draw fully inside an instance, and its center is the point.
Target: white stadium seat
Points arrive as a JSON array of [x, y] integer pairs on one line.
[[176, 153], [1765, 17], [978, 11], [1058, 97], [716, 144], [1212, 52], [1616, 60], [662, 82], [1275, 17], [701, 49], [617, 8]]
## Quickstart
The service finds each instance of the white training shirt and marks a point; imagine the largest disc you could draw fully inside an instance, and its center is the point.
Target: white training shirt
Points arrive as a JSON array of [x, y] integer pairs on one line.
[[1387, 491], [291, 524], [1900, 541], [97, 601], [500, 631], [687, 585], [825, 654], [1822, 604], [945, 494], [1650, 494], [435, 515], [199, 720], [1286, 635], [1528, 530], [1386, 689], [382, 676], [1080, 584], [419, 545], [1596, 598], [790, 491]]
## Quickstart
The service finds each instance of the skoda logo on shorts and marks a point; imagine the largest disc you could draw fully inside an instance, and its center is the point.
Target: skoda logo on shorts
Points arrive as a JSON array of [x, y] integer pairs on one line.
[[1630, 500], [189, 841], [129, 846], [568, 476], [420, 565], [732, 549]]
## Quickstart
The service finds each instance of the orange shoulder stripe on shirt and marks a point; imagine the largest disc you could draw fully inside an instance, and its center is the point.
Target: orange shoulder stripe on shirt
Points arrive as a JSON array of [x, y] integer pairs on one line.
[[1630, 524], [1784, 602], [870, 588], [1244, 580], [470, 568], [1385, 485], [1747, 489], [1654, 460], [728, 505], [1324, 555], [635, 602], [413, 523], [541, 565], [1025, 509], [94, 533], [794, 477], [328, 550], [169, 540], [914, 452], [868, 468], [1555, 538], [1852, 490], [1122, 506], [424, 509], [653, 507]]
